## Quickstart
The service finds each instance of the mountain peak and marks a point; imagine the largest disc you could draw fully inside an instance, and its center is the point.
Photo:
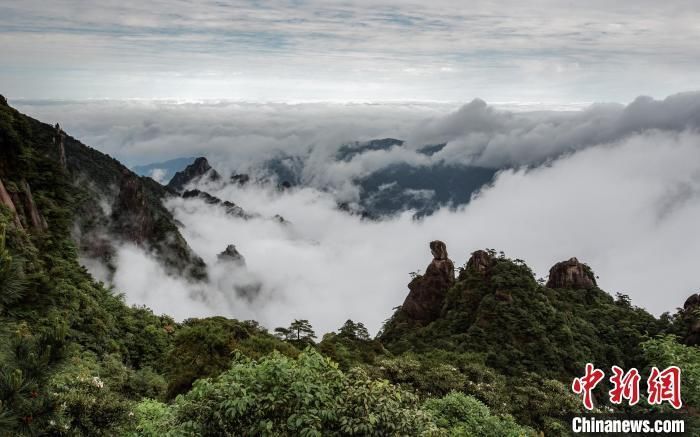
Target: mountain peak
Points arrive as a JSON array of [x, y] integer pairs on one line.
[[198, 170], [571, 274]]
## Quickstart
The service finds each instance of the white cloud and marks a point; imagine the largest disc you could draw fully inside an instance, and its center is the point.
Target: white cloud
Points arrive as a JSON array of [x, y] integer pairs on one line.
[[354, 50], [630, 209], [158, 175]]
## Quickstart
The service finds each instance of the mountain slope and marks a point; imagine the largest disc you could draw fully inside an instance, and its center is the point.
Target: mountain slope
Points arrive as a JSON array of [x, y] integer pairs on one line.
[[111, 203]]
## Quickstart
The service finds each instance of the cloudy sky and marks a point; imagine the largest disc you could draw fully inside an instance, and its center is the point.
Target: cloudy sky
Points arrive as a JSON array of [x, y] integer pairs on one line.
[[357, 50]]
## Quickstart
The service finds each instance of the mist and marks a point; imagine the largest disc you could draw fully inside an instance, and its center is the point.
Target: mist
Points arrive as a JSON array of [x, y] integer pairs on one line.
[[629, 209]]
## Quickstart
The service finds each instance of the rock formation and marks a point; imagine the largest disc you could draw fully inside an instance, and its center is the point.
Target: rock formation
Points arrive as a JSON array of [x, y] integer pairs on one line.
[[37, 220], [230, 207], [199, 170], [58, 141], [22, 202], [480, 261], [3, 101], [427, 291], [571, 274], [6, 200], [231, 254], [691, 317]]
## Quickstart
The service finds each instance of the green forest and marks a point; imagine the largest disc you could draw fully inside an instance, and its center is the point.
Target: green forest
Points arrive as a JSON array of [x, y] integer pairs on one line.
[[494, 355]]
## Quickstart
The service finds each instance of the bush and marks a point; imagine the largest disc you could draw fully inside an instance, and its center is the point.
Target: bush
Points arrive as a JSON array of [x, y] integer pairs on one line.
[[463, 415], [280, 396]]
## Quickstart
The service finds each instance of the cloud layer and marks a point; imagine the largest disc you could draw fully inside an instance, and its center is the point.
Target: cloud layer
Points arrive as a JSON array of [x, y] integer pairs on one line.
[[630, 209], [616, 186], [352, 50]]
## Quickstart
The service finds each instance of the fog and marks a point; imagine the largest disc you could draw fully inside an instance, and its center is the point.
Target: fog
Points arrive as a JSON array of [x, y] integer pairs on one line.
[[615, 185], [629, 209]]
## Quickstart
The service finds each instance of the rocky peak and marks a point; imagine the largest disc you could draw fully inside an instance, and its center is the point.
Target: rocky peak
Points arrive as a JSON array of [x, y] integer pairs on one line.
[[571, 274], [479, 262], [198, 170], [427, 291], [3, 101], [231, 254]]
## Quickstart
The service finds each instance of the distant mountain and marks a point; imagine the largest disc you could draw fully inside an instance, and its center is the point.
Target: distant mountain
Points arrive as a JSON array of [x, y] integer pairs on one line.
[[396, 187], [162, 172], [198, 171]]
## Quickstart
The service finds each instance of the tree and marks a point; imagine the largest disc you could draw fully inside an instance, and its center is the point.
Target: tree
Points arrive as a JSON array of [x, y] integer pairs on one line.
[[299, 333], [665, 351], [354, 331], [26, 405]]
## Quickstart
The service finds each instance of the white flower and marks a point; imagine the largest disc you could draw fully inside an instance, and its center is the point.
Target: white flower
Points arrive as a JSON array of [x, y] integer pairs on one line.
[[52, 423], [97, 382]]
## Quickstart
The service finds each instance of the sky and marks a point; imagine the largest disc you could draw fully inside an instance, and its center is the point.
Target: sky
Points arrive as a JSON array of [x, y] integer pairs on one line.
[[291, 51]]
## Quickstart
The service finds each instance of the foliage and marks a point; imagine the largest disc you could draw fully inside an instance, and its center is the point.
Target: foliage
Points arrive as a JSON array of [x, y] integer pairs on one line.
[[463, 415], [309, 396], [12, 280], [665, 351], [204, 348], [351, 346], [27, 405]]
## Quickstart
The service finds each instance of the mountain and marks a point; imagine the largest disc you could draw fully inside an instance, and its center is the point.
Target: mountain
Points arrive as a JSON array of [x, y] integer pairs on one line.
[[495, 307], [47, 173], [488, 348], [396, 187], [162, 172], [198, 171]]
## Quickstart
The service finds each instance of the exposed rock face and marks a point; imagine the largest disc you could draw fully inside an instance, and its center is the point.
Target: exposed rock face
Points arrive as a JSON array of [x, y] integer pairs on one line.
[[3, 100], [58, 141], [230, 207], [231, 254], [427, 292], [135, 219], [23, 204], [130, 212], [198, 170], [691, 317], [480, 261], [37, 220], [571, 274], [6, 200]]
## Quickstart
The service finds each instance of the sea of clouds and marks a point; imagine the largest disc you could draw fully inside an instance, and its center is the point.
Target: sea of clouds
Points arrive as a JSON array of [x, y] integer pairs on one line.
[[617, 186]]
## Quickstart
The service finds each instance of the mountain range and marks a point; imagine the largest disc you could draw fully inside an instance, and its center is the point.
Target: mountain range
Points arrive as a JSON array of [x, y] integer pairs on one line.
[[481, 346]]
